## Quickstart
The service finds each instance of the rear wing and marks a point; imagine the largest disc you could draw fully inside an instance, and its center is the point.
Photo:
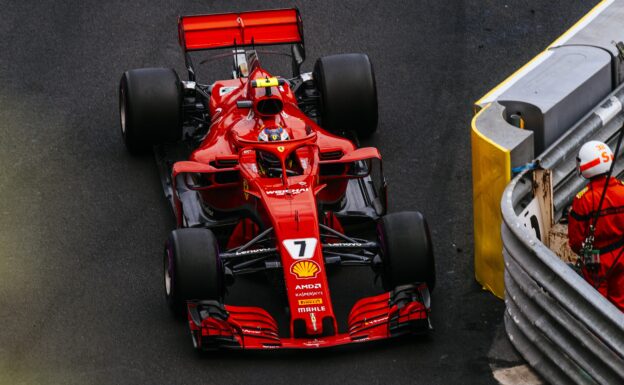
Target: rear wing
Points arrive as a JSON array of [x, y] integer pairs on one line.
[[228, 30]]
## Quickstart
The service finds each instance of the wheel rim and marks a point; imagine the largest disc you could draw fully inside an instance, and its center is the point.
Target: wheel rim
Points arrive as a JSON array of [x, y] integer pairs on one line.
[[168, 272], [122, 111]]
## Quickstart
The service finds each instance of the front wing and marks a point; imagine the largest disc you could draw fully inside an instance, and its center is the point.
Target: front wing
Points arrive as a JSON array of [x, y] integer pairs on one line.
[[405, 310]]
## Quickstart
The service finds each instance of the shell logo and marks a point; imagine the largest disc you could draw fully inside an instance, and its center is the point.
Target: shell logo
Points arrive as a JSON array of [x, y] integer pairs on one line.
[[305, 269]]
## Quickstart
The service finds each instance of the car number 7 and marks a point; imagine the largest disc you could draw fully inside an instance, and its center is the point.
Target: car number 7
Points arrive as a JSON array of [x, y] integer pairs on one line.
[[302, 248]]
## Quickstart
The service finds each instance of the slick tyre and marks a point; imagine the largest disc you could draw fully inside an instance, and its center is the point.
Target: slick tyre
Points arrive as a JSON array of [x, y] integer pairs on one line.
[[150, 108], [348, 91], [406, 250], [192, 268]]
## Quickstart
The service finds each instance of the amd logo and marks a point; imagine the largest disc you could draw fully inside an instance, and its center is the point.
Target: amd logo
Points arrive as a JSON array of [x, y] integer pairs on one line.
[[308, 286]]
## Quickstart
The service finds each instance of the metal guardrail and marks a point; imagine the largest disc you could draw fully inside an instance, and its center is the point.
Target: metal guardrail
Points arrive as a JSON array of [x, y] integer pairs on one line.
[[602, 123], [547, 95], [563, 327]]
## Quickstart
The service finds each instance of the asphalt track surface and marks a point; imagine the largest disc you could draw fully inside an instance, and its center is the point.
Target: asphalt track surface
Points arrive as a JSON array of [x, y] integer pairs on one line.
[[82, 222]]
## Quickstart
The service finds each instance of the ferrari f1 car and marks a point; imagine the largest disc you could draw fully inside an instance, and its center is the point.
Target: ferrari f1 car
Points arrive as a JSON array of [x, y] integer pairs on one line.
[[264, 176]]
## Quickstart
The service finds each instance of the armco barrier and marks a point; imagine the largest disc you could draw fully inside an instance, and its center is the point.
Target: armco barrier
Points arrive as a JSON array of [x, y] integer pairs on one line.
[[545, 98], [602, 123], [563, 327]]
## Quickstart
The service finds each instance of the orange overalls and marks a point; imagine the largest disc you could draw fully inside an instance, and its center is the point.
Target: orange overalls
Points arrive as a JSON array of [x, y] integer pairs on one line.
[[608, 235]]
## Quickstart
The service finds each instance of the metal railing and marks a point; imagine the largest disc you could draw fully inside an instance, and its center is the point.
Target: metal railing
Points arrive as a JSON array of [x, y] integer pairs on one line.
[[561, 325]]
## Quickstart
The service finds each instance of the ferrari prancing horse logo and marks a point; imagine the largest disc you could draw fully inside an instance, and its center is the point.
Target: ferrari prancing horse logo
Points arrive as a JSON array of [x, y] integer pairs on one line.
[[280, 148]]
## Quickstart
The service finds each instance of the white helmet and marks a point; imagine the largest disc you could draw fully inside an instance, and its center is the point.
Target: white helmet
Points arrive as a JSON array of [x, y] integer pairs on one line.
[[594, 158]]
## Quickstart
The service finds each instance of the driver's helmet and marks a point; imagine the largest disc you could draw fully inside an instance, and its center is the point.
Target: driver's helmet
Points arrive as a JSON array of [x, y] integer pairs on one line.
[[594, 158], [267, 160], [273, 134]]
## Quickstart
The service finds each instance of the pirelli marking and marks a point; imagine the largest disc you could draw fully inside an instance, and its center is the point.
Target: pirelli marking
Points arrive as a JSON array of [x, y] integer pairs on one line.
[[310, 301]]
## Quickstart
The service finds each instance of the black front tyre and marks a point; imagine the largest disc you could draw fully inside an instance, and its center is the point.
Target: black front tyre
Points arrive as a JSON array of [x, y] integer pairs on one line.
[[150, 108], [348, 93], [406, 250], [192, 268]]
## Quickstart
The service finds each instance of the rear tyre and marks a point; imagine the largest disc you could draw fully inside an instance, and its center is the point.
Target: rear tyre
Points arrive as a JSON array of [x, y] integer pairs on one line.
[[406, 250], [192, 268], [150, 108], [348, 92]]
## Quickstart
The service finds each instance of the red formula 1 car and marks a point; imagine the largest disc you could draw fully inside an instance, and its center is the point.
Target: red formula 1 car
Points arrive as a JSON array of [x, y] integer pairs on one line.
[[263, 177]]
